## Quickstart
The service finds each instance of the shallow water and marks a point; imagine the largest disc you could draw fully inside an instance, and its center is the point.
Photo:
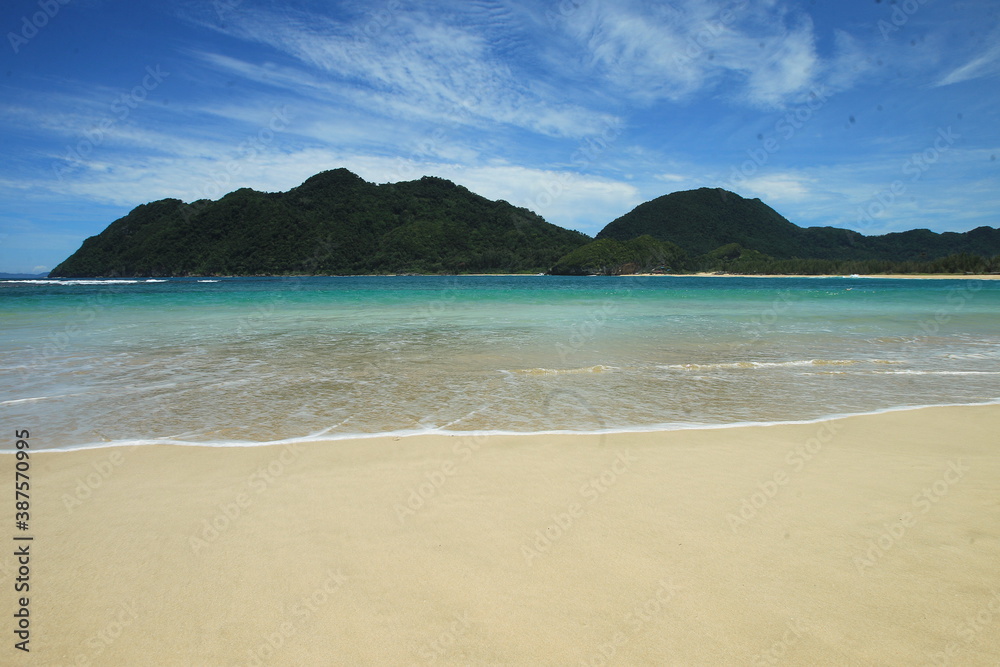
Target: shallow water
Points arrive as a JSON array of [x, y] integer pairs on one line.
[[263, 359]]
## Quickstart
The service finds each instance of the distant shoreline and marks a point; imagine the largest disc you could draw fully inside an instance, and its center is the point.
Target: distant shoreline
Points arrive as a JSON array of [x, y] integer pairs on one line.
[[703, 274], [891, 276]]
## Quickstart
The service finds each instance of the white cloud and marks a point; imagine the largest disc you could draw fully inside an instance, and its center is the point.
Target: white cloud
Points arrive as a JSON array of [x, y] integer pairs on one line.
[[874, 196], [670, 178], [986, 64], [419, 67], [764, 52], [564, 198], [852, 59], [786, 71], [780, 187]]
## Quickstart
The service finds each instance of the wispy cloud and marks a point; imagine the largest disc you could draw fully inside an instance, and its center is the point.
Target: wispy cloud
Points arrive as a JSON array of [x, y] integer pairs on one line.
[[422, 67], [984, 65], [951, 189], [782, 187], [579, 110], [765, 53]]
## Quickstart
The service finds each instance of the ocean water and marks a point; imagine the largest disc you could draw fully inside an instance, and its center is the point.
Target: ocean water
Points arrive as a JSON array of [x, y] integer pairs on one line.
[[252, 360]]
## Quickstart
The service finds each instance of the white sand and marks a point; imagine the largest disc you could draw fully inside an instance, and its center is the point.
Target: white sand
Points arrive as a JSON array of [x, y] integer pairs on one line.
[[527, 550]]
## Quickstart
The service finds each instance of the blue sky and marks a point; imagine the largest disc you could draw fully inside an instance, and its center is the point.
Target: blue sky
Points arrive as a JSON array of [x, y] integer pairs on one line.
[[877, 116]]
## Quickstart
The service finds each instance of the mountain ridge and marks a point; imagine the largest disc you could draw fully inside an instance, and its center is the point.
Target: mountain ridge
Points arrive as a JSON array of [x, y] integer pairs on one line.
[[336, 223], [705, 219]]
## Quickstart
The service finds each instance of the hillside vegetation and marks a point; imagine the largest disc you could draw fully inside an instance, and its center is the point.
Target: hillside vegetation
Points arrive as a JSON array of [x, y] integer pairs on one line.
[[703, 220], [335, 223]]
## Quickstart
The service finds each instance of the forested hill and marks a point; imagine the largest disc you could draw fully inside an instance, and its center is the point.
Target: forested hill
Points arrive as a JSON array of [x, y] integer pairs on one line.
[[335, 223], [702, 221]]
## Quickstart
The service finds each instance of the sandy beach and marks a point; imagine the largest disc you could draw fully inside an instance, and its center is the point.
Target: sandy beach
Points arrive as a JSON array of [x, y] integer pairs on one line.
[[860, 541], [889, 276]]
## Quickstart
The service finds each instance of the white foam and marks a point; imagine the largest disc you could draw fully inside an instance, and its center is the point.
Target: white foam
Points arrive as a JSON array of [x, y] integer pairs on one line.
[[776, 364], [109, 281], [25, 400], [913, 372], [324, 435], [208, 281], [600, 368], [74, 282]]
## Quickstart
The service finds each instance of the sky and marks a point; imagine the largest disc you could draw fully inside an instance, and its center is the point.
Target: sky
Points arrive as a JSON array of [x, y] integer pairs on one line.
[[877, 116]]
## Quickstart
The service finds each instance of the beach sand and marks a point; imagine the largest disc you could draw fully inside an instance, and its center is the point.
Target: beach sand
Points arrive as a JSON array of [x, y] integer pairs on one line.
[[866, 540], [888, 276]]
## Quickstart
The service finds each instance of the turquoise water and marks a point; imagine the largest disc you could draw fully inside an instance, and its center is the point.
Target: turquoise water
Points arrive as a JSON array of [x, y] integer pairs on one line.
[[258, 360]]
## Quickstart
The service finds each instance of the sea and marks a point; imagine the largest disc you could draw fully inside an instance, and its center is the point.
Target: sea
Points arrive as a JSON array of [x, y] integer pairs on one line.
[[248, 361]]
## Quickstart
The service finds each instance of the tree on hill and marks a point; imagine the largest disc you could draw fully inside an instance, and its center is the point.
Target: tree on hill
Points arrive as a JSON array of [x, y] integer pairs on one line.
[[642, 254]]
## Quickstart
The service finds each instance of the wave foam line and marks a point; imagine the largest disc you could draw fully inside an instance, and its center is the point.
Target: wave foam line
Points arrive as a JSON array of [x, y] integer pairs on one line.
[[25, 400], [778, 364], [600, 368], [322, 436], [80, 282], [912, 372]]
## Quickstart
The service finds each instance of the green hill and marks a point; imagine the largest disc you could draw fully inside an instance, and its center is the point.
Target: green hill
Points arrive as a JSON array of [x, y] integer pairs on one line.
[[335, 223], [703, 220]]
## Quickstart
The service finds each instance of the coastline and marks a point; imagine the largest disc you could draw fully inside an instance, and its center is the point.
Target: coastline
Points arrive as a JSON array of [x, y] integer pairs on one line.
[[888, 276], [446, 433], [870, 539], [702, 274]]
